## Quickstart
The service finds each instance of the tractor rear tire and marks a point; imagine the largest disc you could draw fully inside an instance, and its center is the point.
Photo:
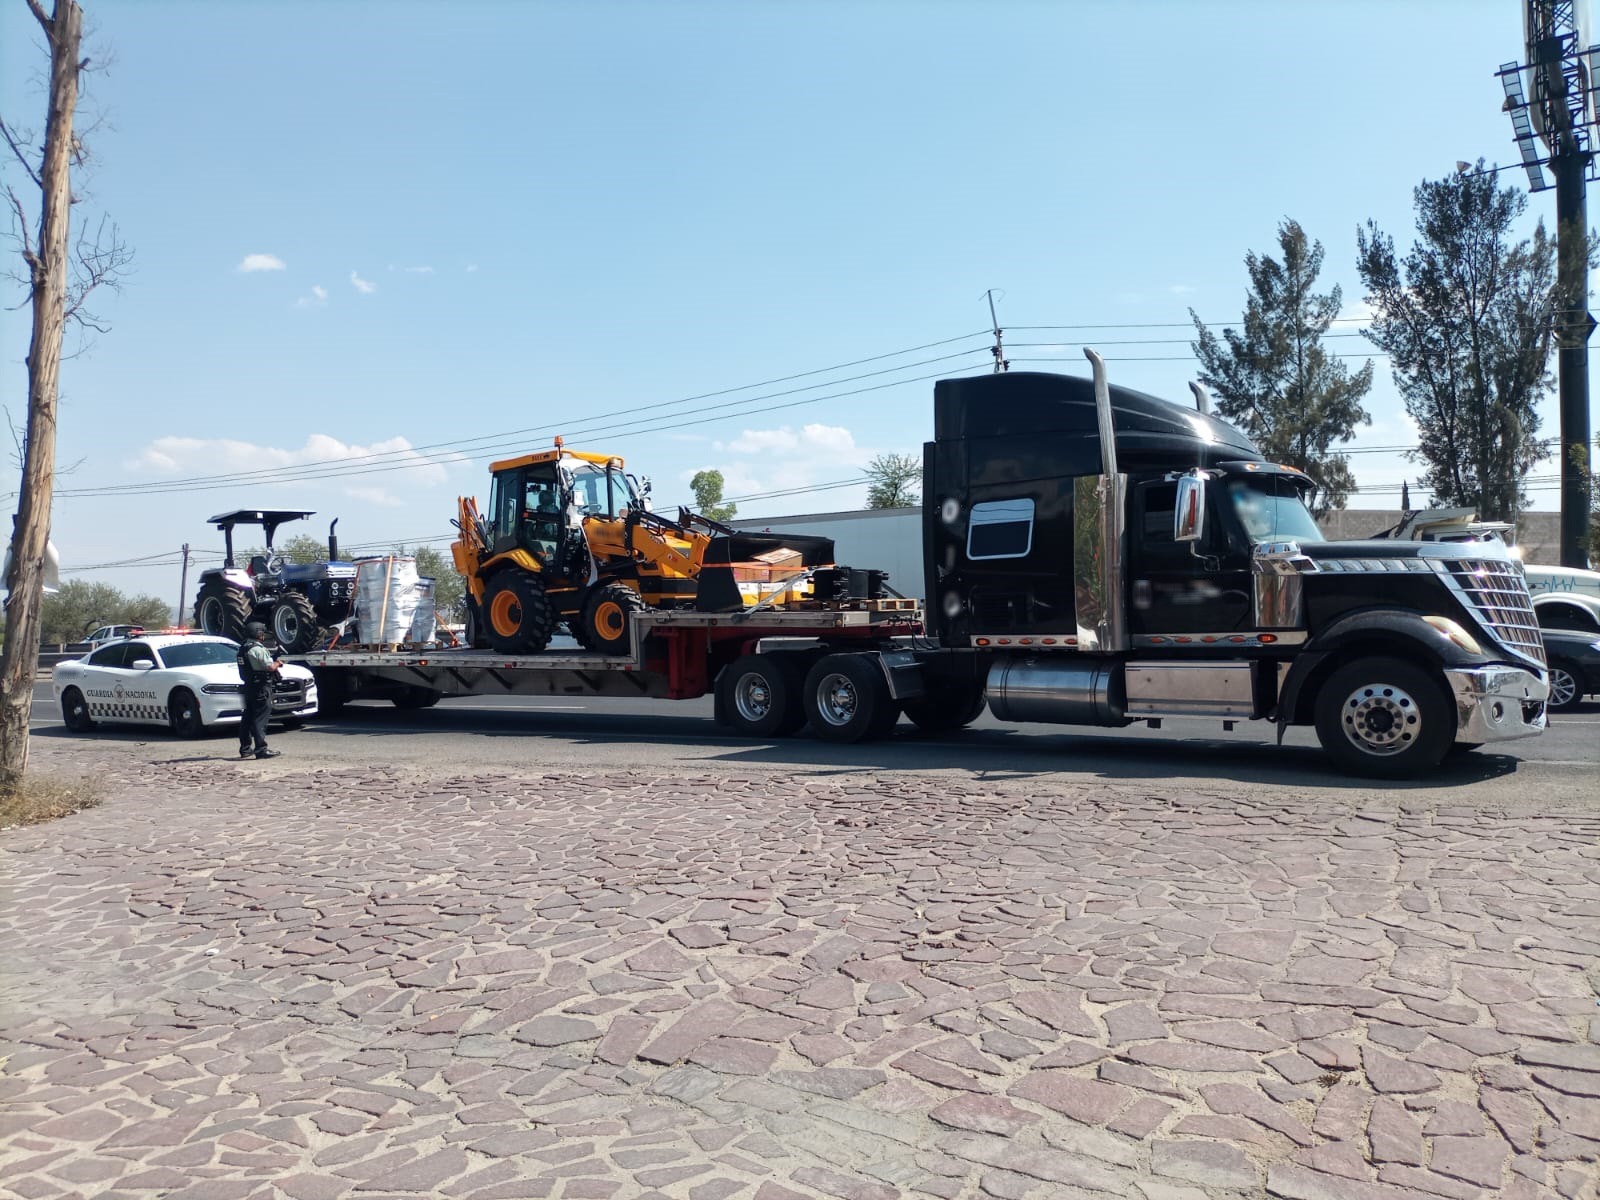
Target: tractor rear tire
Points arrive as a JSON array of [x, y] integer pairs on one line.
[[606, 625], [294, 623], [221, 610], [517, 612]]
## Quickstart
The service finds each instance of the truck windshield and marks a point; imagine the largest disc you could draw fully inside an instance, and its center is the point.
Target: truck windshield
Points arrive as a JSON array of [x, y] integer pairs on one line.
[[1272, 509]]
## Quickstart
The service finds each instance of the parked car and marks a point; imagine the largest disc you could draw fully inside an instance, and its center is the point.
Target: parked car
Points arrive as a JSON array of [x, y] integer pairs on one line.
[[189, 682], [112, 633], [1574, 657]]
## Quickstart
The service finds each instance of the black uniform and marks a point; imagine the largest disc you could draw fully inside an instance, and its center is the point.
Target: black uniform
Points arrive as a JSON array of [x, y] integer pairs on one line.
[[257, 703]]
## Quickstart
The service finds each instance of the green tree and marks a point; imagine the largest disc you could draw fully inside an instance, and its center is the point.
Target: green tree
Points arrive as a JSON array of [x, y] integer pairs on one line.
[[1274, 379], [892, 481], [301, 548], [449, 589], [81, 606], [707, 489], [1466, 319]]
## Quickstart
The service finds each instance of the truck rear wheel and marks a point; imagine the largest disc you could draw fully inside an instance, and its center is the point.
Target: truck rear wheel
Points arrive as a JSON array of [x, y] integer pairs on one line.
[[517, 613], [1385, 718], [942, 709], [847, 699], [607, 621], [760, 695]]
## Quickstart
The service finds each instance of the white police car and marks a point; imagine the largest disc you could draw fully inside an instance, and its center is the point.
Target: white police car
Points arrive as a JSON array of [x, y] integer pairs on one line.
[[189, 682]]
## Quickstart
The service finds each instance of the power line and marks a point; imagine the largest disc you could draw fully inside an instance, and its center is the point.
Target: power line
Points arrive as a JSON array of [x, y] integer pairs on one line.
[[436, 452]]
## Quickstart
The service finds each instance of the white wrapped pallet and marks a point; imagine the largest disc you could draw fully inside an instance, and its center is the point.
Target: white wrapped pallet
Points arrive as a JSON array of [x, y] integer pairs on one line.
[[386, 598], [424, 620]]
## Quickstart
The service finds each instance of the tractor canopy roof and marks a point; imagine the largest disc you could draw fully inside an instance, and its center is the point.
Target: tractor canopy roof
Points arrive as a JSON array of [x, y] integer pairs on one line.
[[258, 516], [557, 455]]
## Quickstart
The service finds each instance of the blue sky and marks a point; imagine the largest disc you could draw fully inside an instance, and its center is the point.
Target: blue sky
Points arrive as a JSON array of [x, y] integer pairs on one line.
[[477, 217]]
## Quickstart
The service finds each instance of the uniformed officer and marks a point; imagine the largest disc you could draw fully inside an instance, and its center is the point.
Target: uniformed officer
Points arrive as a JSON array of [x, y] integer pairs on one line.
[[257, 666]]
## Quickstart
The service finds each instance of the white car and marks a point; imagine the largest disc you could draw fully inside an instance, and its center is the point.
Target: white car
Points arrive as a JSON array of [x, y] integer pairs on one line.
[[189, 682], [112, 633]]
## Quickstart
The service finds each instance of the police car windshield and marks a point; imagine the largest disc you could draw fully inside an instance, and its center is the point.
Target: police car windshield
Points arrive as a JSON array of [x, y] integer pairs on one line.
[[198, 654], [1272, 509]]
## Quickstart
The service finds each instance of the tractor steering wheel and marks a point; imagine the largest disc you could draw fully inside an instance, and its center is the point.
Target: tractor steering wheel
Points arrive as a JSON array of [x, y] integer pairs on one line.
[[275, 564]]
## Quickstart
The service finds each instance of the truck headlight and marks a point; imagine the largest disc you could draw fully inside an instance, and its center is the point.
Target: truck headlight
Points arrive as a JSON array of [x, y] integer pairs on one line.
[[1453, 632]]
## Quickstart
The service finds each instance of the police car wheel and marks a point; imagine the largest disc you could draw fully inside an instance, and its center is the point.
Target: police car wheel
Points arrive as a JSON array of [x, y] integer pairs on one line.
[[75, 711], [183, 714]]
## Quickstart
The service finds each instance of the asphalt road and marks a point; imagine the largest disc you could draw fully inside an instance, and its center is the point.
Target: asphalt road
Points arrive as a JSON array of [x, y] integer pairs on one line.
[[472, 733]]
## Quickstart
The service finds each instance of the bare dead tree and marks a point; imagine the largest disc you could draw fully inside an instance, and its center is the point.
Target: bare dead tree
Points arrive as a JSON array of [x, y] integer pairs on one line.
[[59, 276]]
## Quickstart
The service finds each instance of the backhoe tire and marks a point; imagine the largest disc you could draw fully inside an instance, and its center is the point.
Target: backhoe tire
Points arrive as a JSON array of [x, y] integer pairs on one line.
[[516, 613], [221, 610], [1385, 717], [760, 695], [294, 623], [606, 624], [945, 709], [474, 635], [847, 699]]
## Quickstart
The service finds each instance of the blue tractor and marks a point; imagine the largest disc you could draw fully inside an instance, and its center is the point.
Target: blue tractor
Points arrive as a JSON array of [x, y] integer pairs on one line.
[[297, 601]]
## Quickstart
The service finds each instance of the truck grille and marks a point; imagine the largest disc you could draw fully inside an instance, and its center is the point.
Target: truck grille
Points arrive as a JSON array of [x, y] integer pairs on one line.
[[1498, 594]]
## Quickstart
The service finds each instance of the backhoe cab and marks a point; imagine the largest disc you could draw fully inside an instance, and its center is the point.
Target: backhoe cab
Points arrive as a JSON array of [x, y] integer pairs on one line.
[[297, 601], [569, 538]]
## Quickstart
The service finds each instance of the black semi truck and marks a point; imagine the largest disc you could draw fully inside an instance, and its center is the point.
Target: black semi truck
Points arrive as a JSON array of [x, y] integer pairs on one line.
[[1093, 556]]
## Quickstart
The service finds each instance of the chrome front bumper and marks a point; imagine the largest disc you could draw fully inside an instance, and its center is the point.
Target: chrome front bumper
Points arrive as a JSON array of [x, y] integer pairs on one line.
[[1496, 704]]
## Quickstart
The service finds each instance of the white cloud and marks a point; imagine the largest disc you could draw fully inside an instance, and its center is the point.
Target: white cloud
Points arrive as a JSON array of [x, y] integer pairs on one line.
[[834, 438], [171, 455], [373, 495], [1357, 310], [418, 270], [1182, 289], [768, 460], [262, 262], [758, 441], [471, 267], [365, 286], [317, 299]]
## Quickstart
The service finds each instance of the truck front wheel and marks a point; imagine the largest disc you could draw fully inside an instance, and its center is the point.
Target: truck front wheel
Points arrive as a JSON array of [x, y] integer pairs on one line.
[[847, 699], [1385, 718]]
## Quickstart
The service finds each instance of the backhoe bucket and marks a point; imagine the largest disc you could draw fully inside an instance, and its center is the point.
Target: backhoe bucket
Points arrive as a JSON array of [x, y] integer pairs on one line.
[[761, 559]]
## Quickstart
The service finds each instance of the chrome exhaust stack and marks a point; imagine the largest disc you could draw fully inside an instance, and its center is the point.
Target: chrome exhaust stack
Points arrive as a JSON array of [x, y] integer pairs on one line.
[[1099, 538], [1202, 398]]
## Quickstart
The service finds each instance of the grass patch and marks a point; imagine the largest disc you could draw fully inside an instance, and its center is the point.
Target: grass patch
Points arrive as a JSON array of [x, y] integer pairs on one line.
[[45, 799]]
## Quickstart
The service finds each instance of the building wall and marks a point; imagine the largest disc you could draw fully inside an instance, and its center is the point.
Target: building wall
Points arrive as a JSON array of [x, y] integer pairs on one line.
[[890, 539]]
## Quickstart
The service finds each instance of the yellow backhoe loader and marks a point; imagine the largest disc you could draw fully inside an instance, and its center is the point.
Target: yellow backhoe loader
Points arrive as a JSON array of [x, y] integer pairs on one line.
[[569, 538]]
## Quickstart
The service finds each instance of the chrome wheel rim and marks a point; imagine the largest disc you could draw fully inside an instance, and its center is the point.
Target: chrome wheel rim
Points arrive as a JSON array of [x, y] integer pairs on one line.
[[836, 699], [1381, 719], [752, 697], [1563, 687]]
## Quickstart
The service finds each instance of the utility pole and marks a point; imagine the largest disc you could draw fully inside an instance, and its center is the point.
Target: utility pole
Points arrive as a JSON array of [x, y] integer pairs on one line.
[[1560, 114], [998, 349], [183, 583]]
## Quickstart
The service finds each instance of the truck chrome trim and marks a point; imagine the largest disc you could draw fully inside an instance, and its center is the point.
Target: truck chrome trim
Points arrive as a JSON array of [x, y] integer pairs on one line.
[[1213, 641], [1497, 704], [1098, 502], [1190, 689], [1277, 577], [1056, 692]]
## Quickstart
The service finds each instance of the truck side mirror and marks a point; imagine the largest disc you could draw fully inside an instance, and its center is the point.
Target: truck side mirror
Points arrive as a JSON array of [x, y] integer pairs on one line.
[[1189, 517]]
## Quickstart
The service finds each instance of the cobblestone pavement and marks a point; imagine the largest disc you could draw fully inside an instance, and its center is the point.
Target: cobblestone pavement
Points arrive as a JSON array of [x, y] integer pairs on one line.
[[231, 982]]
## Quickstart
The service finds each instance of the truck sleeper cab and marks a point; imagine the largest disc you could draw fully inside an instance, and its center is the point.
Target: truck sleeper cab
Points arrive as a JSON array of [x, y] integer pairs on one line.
[[1115, 557]]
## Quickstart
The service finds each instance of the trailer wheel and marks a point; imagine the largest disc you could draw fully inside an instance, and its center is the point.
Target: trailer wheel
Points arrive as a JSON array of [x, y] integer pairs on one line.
[[415, 697], [943, 709], [847, 699], [517, 613], [760, 695], [607, 619], [1384, 717]]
